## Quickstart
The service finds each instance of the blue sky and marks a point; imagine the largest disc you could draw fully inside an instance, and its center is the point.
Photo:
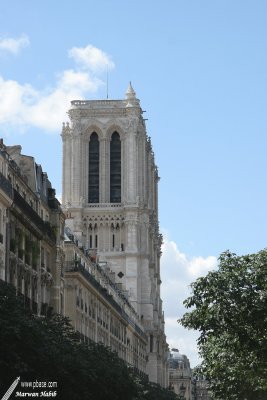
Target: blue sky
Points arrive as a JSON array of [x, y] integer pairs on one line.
[[200, 71]]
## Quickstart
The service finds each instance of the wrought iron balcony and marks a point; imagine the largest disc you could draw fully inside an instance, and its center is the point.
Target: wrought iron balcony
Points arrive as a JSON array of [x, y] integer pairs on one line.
[[72, 266], [32, 215], [21, 203]]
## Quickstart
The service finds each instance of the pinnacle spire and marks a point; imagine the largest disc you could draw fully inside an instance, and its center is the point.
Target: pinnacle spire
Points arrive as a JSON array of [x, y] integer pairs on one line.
[[130, 93]]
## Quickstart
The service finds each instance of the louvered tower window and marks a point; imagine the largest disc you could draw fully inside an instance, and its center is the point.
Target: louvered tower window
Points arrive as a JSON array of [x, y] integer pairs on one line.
[[93, 196], [115, 168]]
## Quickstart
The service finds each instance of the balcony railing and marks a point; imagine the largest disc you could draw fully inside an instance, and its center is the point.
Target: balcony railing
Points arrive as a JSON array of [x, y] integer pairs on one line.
[[77, 267], [28, 210], [104, 205], [32, 215]]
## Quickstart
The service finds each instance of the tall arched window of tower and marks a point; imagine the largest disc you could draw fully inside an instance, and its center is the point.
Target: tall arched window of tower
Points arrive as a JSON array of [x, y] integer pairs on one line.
[[93, 176], [115, 168]]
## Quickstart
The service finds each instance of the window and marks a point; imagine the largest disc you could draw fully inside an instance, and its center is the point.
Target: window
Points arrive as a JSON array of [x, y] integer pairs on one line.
[[151, 344], [115, 168], [93, 169], [1, 226]]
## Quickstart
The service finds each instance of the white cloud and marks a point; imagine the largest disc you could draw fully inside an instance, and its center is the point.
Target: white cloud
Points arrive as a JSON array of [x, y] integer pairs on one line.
[[200, 266], [14, 45], [91, 58], [184, 340], [177, 272], [50, 109], [23, 105]]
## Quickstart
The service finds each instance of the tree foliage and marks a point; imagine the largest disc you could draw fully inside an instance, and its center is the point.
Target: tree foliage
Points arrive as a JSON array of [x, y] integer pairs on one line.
[[230, 311], [151, 391], [48, 349]]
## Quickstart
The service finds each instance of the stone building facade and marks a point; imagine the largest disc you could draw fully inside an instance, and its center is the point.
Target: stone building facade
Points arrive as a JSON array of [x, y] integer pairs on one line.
[[110, 201], [102, 270], [180, 375], [50, 268], [201, 389], [98, 307], [31, 226], [6, 200]]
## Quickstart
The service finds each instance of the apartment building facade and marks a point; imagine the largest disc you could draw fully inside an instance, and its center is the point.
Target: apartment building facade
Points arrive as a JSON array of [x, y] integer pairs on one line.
[[31, 226]]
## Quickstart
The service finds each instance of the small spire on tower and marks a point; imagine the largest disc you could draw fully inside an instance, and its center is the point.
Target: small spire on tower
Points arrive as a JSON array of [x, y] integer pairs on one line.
[[130, 93], [131, 100]]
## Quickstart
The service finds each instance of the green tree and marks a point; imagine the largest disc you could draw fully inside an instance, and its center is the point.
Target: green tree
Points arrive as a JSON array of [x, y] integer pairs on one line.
[[47, 349], [151, 391], [230, 311]]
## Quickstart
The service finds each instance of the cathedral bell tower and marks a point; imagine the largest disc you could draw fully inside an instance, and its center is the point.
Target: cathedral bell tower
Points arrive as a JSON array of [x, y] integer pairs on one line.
[[110, 197]]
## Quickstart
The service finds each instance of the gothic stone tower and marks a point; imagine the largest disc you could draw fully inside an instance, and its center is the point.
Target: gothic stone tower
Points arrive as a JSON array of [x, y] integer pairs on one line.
[[110, 198]]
